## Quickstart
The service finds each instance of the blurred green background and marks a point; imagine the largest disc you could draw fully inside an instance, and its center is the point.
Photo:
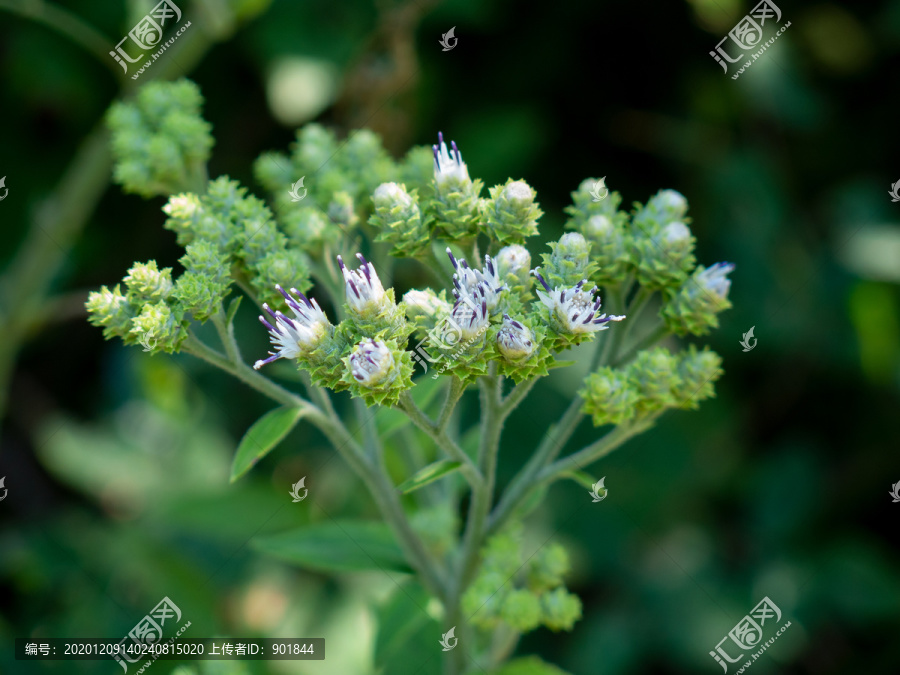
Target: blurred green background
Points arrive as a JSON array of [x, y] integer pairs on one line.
[[116, 462]]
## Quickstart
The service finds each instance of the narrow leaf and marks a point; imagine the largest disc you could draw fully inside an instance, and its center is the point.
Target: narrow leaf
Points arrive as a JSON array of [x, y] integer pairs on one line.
[[265, 434], [233, 308], [428, 475], [346, 546]]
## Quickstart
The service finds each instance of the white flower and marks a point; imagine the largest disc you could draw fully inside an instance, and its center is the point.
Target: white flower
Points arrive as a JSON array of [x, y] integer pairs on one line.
[[715, 278], [372, 364], [297, 336], [466, 281], [470, 314], [364, 290], [447, 166], [576, 309], [515, 340]]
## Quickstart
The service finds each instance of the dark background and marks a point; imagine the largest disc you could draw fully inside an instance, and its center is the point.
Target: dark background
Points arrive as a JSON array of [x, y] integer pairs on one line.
[[116, 462]]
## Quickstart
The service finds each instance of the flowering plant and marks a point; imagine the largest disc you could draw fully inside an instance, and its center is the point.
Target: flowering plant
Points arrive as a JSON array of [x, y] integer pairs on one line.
[[499, 331]]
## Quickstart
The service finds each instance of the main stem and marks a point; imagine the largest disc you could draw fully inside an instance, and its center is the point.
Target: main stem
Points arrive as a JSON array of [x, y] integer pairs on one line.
[[372, 473], [479, 508]]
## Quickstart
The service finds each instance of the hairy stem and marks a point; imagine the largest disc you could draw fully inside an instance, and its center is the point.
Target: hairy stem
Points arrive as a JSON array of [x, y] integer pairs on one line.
[[599, 448], [457, 389], [421, 420]]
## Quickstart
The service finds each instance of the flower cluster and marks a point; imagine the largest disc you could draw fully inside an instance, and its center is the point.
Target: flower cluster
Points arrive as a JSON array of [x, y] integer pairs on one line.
[[521, 596], [161, 142]]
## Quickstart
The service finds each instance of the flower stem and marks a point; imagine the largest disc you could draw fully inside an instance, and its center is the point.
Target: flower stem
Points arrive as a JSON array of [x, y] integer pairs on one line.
[[656, 335], [421, 420]]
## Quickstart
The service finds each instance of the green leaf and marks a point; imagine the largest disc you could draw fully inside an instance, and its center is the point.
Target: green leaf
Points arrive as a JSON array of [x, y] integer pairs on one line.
[[265, 434], [428, 475], [232, 309], [337, 546], [529, 665], [561, 364], [404, 644]]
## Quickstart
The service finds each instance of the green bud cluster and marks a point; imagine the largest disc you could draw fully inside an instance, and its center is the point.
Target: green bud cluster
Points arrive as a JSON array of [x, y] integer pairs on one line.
[[521, 596], [160, 141], [569, 260], [655, 380], [604, 226], [511, 214], [399, 220], [693, 308], [609, 397], [662, 245], [148, 313]]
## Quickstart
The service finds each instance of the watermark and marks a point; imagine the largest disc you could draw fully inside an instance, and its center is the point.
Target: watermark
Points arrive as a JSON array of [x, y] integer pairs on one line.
[[598, 491], [148, 341], [446, 637], [147, 34], [293, 192], [148, 632], [600, 192], [895, 493], [894, 192], [295, 490], [745, 341], [3, 485], [448, 335], [6, 189], [445, 40], [747, 634], [748, 34]]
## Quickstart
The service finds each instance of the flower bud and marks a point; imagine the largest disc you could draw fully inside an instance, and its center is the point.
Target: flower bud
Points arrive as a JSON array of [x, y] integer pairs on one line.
[[309, 229], [654, 376], [561, 609], [514, 266], [521, 609], [200, 294], [511, 213], [569, 260], [372, 364], [663, 207], [609, 397], [515, 340], [159, 140], [341, 211], [483, 600], [665, 258], [159, 328], [694, 308], [399, 220], [455, 202], [111, 310], [146, 283], [698, 371], [547, 567], [425, 307]]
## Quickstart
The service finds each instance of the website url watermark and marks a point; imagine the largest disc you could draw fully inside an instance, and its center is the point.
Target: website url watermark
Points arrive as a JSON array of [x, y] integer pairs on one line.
[[147, 34]]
